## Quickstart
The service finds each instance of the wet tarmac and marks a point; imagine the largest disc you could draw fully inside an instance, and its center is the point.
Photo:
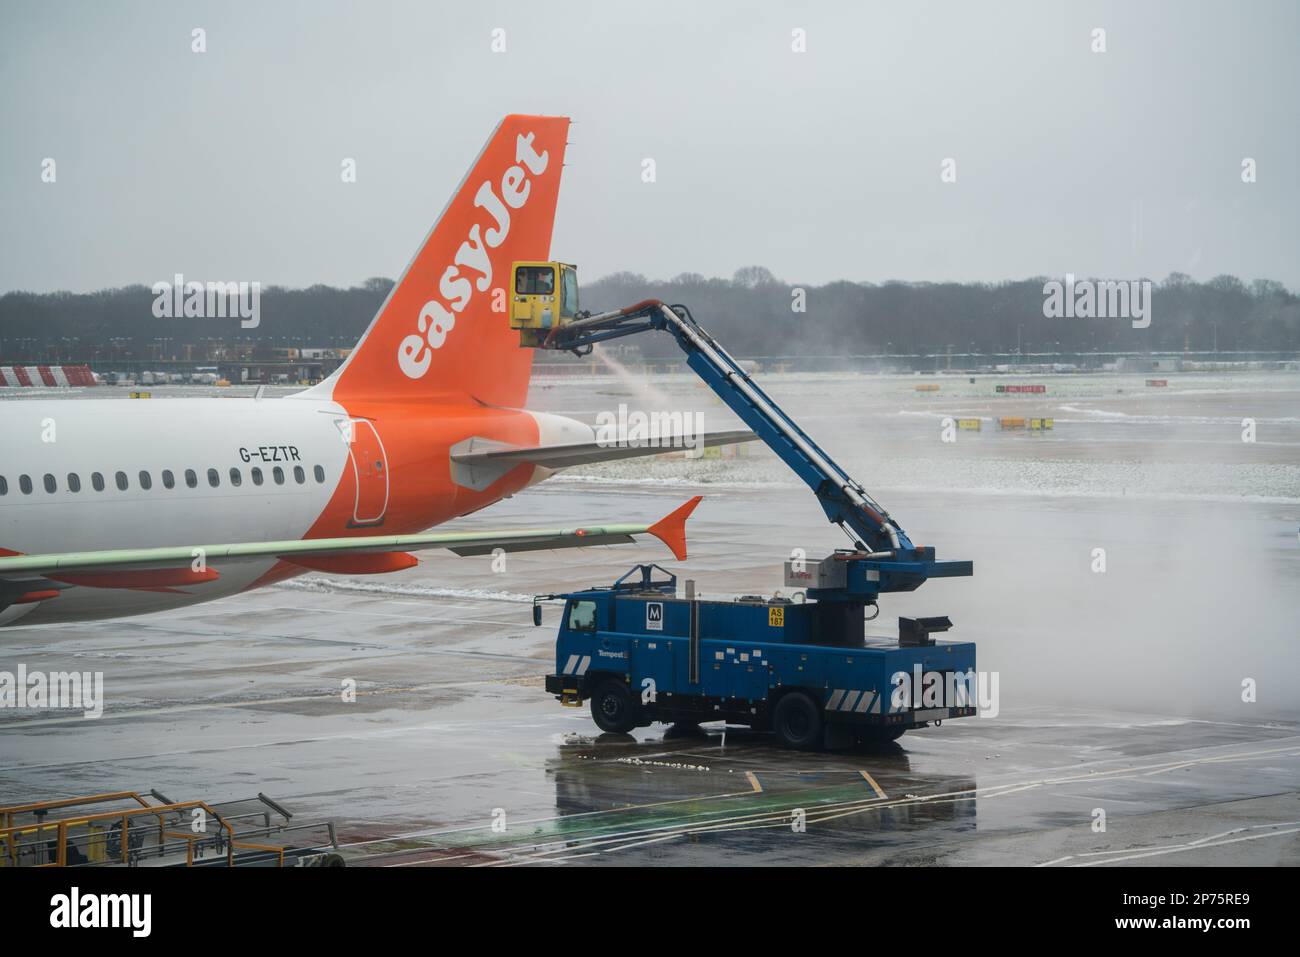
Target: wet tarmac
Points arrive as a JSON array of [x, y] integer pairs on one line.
[[452, 753], [1121, 693]]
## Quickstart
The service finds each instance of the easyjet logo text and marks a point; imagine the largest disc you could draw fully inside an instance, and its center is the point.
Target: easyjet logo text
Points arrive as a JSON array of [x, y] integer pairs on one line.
[[471, 269]]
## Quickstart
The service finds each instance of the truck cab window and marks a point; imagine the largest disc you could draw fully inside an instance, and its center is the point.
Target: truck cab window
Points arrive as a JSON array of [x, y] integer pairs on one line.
[[535, 280], [582, 616], [568, 293]]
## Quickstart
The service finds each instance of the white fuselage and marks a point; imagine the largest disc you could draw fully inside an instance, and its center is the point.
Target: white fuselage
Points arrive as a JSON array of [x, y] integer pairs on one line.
[[81, 475], [193, 440]]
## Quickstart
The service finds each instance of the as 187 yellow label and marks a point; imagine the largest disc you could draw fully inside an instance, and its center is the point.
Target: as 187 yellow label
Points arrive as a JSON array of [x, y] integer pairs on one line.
[[776, 617]]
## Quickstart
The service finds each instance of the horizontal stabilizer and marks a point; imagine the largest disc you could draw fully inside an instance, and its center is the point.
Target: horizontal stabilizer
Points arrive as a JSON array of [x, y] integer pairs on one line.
[[586, 453]]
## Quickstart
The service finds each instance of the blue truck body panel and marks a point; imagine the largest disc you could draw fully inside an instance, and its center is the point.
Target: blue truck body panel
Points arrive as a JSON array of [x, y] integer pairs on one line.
[[747, 653]]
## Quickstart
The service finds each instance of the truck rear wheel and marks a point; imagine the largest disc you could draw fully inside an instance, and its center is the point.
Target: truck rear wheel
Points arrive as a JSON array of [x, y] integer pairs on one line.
[[613, 708], [797, 722]]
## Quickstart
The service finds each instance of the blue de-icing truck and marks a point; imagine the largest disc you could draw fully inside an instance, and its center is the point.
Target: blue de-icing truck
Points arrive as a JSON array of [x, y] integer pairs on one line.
[[802, 667]]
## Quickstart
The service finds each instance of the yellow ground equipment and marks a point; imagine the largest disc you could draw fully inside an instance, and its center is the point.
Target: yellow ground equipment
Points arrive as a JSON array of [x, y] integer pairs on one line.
[[128, 828], [1035, 424], [544, 297]]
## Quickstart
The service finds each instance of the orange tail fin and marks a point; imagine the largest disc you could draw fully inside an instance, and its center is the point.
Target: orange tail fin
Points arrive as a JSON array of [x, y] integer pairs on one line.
[[444, 328]]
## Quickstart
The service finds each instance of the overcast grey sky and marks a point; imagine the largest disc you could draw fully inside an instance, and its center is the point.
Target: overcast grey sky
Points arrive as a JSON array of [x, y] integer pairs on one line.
[[819, 165]]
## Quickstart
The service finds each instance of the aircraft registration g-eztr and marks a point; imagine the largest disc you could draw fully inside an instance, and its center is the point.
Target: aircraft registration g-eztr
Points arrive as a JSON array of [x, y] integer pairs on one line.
[[112, 508]]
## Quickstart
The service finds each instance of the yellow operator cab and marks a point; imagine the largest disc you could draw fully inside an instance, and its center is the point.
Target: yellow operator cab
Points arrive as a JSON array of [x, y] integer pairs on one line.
[[545, 295]]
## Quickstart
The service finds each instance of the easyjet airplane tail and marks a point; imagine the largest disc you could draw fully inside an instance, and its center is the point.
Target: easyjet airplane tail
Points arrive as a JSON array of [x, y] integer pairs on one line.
[[442, 331]]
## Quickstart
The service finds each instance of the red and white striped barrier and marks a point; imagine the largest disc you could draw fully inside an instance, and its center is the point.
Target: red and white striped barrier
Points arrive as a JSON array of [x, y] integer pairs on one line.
[[53, 377]]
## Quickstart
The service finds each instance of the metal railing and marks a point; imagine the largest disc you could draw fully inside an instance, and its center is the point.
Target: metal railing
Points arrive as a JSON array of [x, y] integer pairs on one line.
[[117, 837]]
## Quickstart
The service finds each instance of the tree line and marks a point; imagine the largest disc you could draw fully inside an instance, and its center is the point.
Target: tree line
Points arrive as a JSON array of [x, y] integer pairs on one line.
[[753, 313]]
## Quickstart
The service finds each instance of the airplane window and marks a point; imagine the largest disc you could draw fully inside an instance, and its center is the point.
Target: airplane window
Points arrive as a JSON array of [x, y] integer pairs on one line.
[[191, 480], [236, 478], [4, 485], [299, 475], [25, 484], [74, 482], [214, 478], [146, 481], [97, 480], [257, 475], [169, 480], [120, 478], [278, 474], [50, 484], [320, 474]]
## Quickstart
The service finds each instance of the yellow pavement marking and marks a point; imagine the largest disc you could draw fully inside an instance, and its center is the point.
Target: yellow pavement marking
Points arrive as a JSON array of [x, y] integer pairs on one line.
[[753, 782], [874, 786]]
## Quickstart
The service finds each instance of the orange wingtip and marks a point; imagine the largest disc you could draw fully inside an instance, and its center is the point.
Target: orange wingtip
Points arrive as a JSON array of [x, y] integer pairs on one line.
[[671, 529]]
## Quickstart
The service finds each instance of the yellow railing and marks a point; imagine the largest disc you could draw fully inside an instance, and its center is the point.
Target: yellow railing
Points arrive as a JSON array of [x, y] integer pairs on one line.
[[10, 833]]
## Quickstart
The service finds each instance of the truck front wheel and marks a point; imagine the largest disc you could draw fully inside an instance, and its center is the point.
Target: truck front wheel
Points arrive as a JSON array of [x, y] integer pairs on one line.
[[613, 707], [797, 722]]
